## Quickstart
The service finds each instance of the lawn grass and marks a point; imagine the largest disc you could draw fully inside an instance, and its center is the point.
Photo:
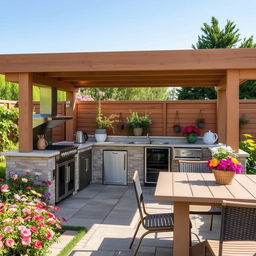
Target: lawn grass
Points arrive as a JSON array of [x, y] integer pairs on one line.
[[2, 169], [81, 231]]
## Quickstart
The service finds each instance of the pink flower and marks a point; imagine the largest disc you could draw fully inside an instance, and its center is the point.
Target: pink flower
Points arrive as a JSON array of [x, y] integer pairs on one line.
[[4, 188], [101, 94], [26, 240], [1, 237], [27, 218], [33, 229], [8, 229], [10, 220], [38, 218], [15, 176], [27, 171], [21, 227], [20, 219], [26, 211], [51, 221], [38, 244], [50, 215], [41, 224], [16, 197], [9, 242], [38, 174], [1, 245], [49, 234], [25, 232]]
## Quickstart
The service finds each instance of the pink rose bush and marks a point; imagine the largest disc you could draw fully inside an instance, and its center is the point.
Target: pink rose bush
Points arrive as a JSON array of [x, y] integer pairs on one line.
[[29, 230], [28, 185]]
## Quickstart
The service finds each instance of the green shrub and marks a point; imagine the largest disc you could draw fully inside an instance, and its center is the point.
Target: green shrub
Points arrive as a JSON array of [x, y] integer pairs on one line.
[[138, 121], [8, 128], [249, 146]]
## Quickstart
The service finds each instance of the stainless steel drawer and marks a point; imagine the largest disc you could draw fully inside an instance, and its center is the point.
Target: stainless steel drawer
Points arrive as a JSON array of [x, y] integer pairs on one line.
[[187, 153]]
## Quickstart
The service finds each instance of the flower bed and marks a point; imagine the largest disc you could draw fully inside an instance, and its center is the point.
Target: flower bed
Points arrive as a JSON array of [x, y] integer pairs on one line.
[[29, 225]]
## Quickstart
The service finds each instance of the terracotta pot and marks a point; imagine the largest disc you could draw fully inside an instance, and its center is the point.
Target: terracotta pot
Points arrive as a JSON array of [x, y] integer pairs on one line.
[[223, 177], [191, 138], [137, 131], [41, 143]]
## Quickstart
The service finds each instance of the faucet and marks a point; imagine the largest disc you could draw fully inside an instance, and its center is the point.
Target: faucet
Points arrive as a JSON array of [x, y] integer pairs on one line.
[[148, 138]]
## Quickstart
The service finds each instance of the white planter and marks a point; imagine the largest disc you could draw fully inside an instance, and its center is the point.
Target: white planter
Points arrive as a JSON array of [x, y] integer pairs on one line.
[[100, 135]]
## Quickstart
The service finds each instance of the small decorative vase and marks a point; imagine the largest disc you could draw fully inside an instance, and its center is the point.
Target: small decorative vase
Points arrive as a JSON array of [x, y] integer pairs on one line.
[[100, 135], [137, 131], [223, 177], [191, 138], [41, 143]]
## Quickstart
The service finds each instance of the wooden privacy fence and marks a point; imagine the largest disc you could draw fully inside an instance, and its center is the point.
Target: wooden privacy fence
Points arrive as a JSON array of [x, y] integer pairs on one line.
[[162, 114]]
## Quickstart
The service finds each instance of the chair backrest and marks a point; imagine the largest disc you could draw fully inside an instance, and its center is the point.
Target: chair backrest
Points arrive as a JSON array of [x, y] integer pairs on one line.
[[238, 222], [138, 192], [193, 166]]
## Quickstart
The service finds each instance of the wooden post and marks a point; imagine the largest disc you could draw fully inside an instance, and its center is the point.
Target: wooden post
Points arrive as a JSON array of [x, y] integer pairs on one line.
[[25, 112], [221, 115], [70, 111], [232, 106], [164, 117]]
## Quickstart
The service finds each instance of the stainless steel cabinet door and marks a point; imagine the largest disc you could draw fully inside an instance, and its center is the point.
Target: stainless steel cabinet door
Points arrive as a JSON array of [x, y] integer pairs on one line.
[[115, 167]]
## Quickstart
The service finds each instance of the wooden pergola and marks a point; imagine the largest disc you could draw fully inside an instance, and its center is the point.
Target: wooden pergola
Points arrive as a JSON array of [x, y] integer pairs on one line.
[[224, 69]]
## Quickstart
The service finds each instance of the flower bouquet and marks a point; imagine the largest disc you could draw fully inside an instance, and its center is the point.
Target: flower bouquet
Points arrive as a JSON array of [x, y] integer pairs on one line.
[[224, 164], [191, 132]]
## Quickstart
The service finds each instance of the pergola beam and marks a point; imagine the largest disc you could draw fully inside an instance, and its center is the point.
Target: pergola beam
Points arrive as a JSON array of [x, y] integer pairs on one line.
[[42, 80], [249, 74]]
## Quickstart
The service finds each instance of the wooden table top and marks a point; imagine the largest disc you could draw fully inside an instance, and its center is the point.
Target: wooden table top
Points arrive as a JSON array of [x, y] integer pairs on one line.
[[201, 188]]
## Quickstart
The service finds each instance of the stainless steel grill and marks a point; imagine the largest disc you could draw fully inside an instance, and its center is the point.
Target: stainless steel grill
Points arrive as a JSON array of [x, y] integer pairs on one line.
[[187, 154]]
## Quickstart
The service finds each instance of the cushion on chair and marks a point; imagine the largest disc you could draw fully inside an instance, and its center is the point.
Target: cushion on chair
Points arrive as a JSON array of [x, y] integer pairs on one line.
[[232, 248]]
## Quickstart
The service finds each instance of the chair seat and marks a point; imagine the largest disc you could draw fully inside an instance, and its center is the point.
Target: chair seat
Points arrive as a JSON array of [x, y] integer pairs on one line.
[[159, 221], [204, 209], [232, 248]]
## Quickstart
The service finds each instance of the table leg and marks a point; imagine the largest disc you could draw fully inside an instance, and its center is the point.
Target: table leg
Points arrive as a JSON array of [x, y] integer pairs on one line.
[[181, 229]]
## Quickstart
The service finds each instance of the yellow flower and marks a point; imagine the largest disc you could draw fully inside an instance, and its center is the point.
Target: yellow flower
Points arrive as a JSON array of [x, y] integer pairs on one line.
[[234, 160], [25, 180], [38, 194], [214, 162], [33, 192]]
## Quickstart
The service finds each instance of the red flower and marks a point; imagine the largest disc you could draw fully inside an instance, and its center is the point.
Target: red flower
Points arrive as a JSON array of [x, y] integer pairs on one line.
[[64, 219], [38, 218], [33, 229], [50, 215], [191, 129], [38, 244], [28, 187], [49, 234], [56, 208], [41, 224]]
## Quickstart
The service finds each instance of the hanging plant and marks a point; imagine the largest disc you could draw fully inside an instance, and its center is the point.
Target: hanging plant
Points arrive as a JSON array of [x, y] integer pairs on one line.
[[176, 127], [200, 122], [120, 125]]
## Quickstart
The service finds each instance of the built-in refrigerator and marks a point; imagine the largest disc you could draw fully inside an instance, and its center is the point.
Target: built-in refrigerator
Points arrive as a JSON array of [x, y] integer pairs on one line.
[[115, 167]]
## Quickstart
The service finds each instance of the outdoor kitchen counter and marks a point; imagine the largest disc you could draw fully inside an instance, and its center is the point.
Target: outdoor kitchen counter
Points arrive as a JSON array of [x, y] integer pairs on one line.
[[34, 153]]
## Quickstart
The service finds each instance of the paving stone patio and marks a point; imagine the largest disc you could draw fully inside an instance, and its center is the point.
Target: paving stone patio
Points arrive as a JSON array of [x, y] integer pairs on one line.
[[110, 215]]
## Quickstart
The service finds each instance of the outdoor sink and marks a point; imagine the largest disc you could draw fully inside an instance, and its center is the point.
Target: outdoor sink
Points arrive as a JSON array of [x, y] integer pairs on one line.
[[138, 142]]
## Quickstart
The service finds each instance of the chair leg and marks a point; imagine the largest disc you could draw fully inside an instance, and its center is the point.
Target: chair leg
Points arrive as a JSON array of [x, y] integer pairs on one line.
[[211, 223], [136, 231], [139, 243]]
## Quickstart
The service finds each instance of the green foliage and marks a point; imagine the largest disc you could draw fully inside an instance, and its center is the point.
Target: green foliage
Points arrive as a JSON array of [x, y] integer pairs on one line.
[[81, 231], [8, 91], [104, 122], [8, 128], [2, 168], [249, 146], [138, 121], [214, 37], [196, 93], [128, 93]]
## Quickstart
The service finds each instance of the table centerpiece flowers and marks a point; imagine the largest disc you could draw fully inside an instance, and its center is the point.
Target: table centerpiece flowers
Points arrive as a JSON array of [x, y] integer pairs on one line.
[[191, 132], [224, 164]]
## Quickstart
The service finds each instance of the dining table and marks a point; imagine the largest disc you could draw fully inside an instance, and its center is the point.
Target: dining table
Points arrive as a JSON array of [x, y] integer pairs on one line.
[[185, 189]]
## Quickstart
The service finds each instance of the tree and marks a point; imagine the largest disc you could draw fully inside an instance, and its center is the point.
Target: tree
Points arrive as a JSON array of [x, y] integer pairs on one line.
[[214, 37], [128, 93]]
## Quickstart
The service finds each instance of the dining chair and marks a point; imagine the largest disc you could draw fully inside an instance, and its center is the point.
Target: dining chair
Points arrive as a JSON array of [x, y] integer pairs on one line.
[[152, 223], [199, 167], [238, 231]]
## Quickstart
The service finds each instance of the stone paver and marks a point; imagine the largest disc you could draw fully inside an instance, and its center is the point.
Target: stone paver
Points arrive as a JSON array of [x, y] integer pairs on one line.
[[110, 214]]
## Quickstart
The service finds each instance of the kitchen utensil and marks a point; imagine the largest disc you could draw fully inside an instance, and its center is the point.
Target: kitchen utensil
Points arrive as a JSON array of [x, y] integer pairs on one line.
[[41, 143], [81, 137], [210, 137]]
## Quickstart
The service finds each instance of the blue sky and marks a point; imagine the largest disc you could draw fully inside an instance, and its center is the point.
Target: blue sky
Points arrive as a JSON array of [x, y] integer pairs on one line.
[[114, 25]]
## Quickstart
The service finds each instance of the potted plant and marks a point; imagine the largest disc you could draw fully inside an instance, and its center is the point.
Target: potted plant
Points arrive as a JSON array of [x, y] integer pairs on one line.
[[176, 127], [224, 165], [191, 132], [138, 123], [102, 124], [200, 123]]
